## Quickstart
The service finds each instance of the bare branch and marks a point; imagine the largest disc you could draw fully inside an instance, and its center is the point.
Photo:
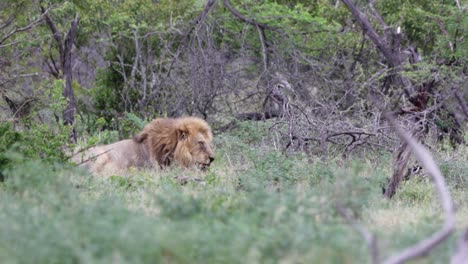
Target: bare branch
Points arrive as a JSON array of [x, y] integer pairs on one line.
[[427, 162], [445, 32], [91, 158], [244, 18], [17, 30], [462, 102], [372, 33], [261, 37], [57, 35], [365, 233], [461, 255], [377, 15], [186, 36]]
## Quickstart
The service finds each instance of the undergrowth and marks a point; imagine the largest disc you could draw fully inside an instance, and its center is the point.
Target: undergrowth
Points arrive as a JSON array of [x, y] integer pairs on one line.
[[254, 205]]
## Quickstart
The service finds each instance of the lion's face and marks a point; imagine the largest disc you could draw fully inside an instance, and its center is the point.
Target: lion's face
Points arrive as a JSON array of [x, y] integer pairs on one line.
[[194, 149], [202, 152]]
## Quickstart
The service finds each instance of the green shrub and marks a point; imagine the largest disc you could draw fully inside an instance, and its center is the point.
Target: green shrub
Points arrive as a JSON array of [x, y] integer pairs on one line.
[[40, 142], [8, 138]]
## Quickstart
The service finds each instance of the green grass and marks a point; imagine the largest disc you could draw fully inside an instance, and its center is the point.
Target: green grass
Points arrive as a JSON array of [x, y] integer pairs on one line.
[[254, 206]]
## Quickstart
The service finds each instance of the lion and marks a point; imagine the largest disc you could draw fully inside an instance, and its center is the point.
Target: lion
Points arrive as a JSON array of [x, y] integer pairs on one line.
[[185, 141]]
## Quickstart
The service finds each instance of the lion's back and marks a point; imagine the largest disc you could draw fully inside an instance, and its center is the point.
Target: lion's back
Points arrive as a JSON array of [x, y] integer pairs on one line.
[[115, 157]]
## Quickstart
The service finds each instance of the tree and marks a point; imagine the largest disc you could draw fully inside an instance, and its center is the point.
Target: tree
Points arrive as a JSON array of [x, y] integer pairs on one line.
[[64, 69], [13, 26], [419, 95]]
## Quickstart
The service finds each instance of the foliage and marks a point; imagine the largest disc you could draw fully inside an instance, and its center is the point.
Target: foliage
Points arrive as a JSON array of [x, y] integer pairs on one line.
[[8, 137], [42, 141], [419, 21], [55, 214], [275, 184]]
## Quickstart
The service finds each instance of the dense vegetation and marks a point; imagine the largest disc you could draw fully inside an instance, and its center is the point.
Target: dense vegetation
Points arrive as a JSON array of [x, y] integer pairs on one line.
[[253, 206], [295, 92]]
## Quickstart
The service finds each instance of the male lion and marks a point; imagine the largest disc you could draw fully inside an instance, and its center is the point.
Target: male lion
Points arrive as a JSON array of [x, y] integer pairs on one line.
[[185, 141]]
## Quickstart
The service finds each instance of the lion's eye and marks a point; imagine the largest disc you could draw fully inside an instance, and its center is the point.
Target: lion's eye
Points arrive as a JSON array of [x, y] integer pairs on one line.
[[201, 143]]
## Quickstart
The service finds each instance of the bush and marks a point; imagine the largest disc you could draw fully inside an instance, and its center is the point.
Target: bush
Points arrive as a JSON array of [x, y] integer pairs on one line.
[[8, 138]]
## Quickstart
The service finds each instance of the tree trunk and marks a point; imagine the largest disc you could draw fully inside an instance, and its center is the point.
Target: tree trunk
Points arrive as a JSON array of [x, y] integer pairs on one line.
[[69, 112], [389, 44], [65, 49]]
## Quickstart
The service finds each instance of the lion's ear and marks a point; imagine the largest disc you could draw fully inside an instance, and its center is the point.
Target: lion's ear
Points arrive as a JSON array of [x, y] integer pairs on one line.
[[182, 134], [140, 137]]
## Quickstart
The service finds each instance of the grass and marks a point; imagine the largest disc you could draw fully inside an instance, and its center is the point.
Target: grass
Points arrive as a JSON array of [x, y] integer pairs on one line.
[[253, 206]]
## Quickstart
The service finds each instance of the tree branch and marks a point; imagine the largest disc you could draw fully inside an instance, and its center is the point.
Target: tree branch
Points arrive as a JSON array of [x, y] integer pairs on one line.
[[57, 35], [244, 18], [186, 36], [462, 102], [17, 30], [261, 36], [372, 33], [377, 15], [461, 255], [427, 162]]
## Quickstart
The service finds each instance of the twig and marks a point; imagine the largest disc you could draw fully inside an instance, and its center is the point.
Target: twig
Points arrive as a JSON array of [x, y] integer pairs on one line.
[[244, 18], [366, 234], [462, 102], [377, 15], [17, 30], [93, 157]]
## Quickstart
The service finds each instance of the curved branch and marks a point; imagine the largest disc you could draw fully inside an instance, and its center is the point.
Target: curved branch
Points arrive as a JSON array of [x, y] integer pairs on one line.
[[261, 36], [17, 30], [425, 159], [244, 18], [57, 35]]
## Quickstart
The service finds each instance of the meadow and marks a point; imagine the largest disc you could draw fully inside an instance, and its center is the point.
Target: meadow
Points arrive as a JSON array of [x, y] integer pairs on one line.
[[254, 205]]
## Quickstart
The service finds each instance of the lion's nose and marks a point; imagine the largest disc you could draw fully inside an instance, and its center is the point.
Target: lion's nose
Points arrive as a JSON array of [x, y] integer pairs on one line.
[[211, 159]]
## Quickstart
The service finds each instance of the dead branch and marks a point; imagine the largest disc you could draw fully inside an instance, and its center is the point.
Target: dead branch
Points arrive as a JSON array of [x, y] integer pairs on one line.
[[462, 102], [444, 31], [366, 26], [377, 15], [391, 51], [427, 162], [261, 37], [244, 18], [400, 163]]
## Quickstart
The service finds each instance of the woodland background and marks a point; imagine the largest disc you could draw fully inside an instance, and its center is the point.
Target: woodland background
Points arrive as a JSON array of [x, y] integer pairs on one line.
[[299, 95]]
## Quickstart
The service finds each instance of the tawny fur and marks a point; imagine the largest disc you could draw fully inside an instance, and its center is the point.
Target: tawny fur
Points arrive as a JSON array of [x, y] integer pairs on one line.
[[185, 141]]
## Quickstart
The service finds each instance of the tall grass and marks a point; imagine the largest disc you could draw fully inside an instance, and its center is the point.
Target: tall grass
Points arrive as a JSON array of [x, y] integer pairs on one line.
[[254, 206]]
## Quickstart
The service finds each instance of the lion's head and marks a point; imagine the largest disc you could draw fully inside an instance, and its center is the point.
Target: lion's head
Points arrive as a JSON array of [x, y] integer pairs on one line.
[[185, 141]]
